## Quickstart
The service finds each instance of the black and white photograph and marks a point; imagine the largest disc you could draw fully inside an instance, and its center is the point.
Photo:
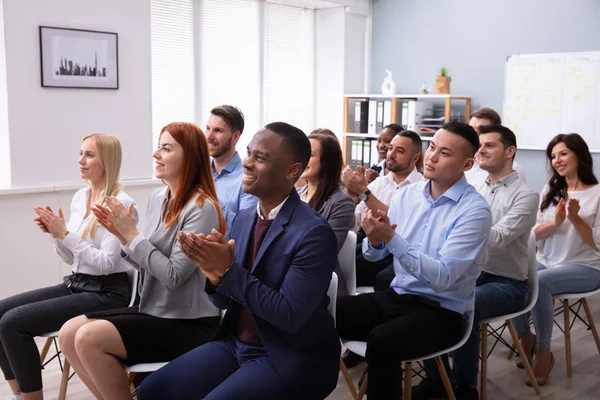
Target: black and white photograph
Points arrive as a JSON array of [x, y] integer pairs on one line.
[[76, 58]]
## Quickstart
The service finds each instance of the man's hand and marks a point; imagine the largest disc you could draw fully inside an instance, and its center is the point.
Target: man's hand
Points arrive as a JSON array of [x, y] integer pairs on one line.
[[355, 182], [378, 227], [212, 253], [371, 175]]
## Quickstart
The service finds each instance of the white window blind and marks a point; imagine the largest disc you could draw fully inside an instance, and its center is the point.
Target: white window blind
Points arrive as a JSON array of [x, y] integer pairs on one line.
[[289, 79], [230, 60], [4, 138], [174, 89]]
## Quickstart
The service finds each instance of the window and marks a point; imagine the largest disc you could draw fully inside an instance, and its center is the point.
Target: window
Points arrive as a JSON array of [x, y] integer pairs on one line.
[[174, 91], [4, 138], [290, 66], [230, 54], [253, 54]]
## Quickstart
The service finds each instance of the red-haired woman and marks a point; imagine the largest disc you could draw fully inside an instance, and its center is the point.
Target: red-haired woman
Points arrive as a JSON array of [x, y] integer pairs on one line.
[[174, 314]]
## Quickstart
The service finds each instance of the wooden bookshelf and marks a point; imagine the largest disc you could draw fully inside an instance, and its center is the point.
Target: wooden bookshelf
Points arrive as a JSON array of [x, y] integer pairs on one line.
[[349, 133]]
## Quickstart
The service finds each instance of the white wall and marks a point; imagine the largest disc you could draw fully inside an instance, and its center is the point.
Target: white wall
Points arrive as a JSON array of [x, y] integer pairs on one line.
[[4, 142], [28, 257], [341, 62], [47, 124]]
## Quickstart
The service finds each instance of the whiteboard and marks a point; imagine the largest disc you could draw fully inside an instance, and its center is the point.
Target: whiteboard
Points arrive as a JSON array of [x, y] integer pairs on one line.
[[548, 94]]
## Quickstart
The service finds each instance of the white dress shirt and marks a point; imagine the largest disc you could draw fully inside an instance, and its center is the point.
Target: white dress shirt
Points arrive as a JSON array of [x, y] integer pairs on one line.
[[565, 245], [477, 176], [385, 189], [97, 256], [514, 206]]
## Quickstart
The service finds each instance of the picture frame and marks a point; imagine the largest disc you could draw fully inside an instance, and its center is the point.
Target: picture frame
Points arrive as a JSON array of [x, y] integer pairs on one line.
[[79, 58]]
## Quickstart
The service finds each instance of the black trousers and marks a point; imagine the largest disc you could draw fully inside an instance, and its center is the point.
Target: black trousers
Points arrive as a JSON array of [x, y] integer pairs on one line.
[[27, 315], [378, 274], [396, 328]]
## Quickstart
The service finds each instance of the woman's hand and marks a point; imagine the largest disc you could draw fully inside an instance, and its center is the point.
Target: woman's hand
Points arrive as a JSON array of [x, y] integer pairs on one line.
[[573, 209], [560, 214], [123, 219], [104, 218], [50, 222]]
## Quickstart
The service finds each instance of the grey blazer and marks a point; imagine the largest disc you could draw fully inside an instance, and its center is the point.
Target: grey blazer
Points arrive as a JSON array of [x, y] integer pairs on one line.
[[338, 210], [171, 285]]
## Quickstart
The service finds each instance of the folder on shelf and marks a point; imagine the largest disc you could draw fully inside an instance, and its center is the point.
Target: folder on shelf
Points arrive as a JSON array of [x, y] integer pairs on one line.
[[379, 116], [387, 112], [366, 154], [372, 129], [361, 116]]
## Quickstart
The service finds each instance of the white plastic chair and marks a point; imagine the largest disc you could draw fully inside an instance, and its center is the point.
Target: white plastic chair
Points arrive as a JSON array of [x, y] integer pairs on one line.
[[151, 367], [532, 280], [360, 348], [132, 276], [347, 261], [575, 308]]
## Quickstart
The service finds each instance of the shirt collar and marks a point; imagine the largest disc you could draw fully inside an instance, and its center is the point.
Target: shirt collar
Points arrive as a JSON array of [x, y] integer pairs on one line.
[[413, 177], [507, 180], [454, 193], [231, 165], [273, 213]]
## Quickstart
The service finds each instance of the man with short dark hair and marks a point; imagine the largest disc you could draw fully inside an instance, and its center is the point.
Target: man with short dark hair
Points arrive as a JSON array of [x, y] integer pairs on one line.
[[223, 130], [501, 286], [437, 232], [478, 119], [277, 340]]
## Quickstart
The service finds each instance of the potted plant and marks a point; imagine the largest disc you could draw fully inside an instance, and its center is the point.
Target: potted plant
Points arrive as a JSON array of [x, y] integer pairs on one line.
[[442, 82]]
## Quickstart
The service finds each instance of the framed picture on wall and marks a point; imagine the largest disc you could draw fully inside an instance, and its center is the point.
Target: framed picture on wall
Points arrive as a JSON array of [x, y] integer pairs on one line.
[[77, 58]]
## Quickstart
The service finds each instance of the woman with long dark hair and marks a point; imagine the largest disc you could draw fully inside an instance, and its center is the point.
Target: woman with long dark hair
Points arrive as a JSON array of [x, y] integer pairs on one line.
[[323, 190], [568, 235], [175, 314]]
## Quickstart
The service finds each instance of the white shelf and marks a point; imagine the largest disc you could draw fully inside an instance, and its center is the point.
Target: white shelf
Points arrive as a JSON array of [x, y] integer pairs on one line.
[[408, 96], [374, 137]]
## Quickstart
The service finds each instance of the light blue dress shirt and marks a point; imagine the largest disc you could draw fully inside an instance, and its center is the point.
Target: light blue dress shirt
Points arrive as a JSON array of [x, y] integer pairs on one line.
[[229, 189], [439, 244]]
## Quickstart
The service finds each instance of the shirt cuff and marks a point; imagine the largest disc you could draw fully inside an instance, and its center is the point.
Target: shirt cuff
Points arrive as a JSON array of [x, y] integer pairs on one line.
[[70, 241], [397, 246], [129, 247]]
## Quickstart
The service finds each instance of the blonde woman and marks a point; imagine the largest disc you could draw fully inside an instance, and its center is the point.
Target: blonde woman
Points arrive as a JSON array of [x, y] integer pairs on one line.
[[99, 275]]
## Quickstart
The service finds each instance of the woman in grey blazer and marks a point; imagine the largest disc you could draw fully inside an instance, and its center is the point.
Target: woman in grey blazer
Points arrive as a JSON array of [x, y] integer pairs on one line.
[[174, 313], [323, 190]]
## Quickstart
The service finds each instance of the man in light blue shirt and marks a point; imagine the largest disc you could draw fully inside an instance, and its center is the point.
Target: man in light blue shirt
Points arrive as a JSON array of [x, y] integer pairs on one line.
[[223, 130], [437, 232]]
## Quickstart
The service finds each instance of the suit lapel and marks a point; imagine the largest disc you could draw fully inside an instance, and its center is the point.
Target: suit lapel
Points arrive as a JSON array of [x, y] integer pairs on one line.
[[278, 226]]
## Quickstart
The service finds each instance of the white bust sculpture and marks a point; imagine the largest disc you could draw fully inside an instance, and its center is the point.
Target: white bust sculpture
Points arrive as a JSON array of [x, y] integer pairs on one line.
[[389, 86]]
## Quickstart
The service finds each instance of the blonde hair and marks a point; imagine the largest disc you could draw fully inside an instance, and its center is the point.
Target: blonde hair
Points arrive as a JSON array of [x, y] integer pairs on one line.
[[108, 148]]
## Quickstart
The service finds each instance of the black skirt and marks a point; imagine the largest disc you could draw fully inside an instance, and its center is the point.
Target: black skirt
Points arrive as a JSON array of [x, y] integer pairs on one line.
[[153, 339]]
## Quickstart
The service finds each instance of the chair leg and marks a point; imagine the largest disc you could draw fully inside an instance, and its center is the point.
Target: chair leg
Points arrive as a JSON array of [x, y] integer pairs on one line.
[[348, 378], [567, 320], [484, 356], [363, 388], [524, 359], [445, 379], [588, 315], [407, 386], [45, 349], [64, 382]]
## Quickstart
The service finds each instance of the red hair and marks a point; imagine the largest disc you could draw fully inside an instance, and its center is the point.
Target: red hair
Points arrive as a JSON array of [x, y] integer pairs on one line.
[[195, 176]]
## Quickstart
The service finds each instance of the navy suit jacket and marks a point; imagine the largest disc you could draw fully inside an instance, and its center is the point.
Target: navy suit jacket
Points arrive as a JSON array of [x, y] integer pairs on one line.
[[286, 290]]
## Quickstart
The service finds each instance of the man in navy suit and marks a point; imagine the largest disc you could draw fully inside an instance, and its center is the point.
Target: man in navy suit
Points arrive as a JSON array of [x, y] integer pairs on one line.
[[277, 340]]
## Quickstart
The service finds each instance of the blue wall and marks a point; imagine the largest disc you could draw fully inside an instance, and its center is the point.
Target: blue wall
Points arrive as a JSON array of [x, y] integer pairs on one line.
[[472, 38]]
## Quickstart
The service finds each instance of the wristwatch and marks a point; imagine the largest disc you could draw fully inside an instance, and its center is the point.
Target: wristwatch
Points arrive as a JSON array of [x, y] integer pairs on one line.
[[364, 195]]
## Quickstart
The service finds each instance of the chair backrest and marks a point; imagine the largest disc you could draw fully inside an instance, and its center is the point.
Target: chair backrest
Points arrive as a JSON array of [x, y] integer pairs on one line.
[[132, 277], [347, 261], [332, 293], [532, 273]]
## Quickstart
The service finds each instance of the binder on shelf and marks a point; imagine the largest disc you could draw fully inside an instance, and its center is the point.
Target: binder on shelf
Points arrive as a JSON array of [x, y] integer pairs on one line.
[[387, 112], [380, 105], [372, 129], [361, 116], [366, 154]]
